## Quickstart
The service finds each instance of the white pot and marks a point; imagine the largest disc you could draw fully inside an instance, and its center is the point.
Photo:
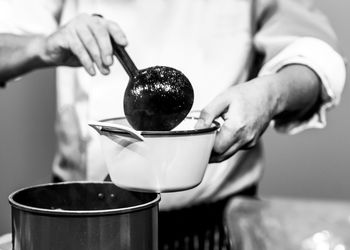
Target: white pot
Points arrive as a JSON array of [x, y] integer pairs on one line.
[[165, 161]]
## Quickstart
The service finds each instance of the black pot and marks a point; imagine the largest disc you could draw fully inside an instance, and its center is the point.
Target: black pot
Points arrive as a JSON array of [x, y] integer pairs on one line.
[[83, 216]]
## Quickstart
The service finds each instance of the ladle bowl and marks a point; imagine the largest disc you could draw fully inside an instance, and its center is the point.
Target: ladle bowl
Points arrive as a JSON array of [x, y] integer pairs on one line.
[[156, 98]]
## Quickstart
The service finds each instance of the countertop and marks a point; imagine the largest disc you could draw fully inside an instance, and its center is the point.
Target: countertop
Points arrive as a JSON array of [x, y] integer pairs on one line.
[[5, 242], [289, 224]]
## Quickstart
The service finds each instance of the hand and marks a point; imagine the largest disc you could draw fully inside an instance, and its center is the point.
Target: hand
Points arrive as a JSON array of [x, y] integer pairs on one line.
[[84, 41], [246, 109]]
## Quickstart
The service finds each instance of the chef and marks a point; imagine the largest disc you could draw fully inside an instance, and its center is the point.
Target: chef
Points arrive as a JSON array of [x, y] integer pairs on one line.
[[252, 64]]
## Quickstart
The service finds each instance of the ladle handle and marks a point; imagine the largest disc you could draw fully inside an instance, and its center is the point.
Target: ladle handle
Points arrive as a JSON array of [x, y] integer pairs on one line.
[[124, 59]]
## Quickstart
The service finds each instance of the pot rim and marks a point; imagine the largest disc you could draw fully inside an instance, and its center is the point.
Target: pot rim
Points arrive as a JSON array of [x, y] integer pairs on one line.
[[100, 212], [215, 126]]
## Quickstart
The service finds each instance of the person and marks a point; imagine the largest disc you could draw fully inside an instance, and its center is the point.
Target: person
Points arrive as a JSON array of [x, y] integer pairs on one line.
[[251, 63]]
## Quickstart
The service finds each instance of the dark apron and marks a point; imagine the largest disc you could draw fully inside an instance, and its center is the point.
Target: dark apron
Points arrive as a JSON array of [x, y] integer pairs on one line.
[[197, 227]]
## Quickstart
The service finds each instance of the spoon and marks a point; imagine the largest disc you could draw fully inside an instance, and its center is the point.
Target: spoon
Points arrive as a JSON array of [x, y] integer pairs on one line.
[[108, 126], [156, 98]]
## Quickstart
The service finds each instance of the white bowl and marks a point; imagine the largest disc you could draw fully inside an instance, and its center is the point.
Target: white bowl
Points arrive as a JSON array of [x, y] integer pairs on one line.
[[165, 161]]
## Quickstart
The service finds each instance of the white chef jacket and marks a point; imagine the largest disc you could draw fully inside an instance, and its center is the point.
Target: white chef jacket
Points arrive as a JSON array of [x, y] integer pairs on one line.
[[213, 42]]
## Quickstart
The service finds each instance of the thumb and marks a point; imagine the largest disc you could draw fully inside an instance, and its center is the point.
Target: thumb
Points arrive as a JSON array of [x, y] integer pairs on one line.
[[212, 111]]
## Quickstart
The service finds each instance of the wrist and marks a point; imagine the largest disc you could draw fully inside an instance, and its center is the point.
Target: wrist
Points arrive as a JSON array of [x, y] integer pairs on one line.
[[19, 54], [295, 87], [37, 50], [274, 94]]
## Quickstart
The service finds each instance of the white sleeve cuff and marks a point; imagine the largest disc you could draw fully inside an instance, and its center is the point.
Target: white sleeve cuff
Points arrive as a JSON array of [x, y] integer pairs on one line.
[[327, 64]]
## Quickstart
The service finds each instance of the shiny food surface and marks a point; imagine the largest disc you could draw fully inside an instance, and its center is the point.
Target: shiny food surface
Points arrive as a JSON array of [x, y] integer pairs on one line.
[[158, 98]]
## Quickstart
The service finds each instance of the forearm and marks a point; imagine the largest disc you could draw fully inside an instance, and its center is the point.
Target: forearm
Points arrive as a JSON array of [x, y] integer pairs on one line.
[[296, 90], [19, 55]]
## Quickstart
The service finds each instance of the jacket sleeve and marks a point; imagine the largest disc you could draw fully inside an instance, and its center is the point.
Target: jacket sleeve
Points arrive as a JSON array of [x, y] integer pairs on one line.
[[295, 32]]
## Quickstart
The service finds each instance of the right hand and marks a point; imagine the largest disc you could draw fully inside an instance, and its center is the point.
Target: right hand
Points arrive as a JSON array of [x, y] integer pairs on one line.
[[84, 41]]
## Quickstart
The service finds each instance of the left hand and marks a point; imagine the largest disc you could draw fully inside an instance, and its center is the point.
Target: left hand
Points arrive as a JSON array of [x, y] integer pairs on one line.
[[247, 110]]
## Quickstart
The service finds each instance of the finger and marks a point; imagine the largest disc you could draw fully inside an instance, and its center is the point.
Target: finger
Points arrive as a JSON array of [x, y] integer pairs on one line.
[[226, 139], [216, 157], [78, 49], [250, 144], [117, 34], [213, 110], [103, 40], [91, 46], [223, 140]]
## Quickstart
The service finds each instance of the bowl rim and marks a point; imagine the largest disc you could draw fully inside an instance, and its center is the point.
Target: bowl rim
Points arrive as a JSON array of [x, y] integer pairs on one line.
[[215, 126], [22, 207]]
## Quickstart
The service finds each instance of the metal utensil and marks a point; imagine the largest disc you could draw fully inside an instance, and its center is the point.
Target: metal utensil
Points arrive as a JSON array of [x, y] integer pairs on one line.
[[156, 98]]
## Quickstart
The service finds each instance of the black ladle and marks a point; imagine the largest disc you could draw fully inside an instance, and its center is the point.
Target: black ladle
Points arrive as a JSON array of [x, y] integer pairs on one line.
[[156, 98]]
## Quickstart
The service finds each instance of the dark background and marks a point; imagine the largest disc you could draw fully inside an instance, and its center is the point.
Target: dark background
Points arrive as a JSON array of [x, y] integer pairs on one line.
[[314, 164]]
